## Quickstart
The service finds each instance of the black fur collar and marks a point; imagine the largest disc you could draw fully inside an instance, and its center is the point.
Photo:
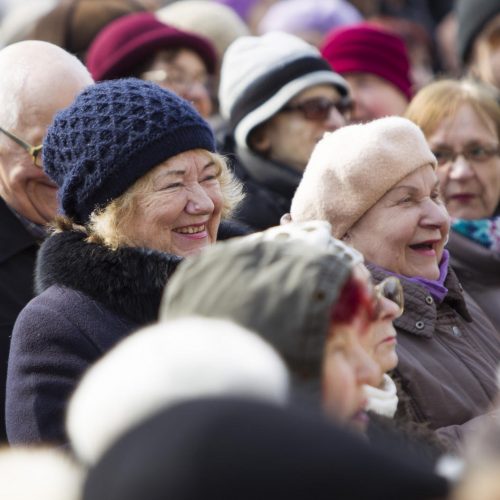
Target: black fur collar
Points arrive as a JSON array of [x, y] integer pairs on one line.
[[129, 281]]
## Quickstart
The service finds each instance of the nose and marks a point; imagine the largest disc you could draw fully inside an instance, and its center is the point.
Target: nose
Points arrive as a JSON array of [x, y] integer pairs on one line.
[[435, 215], [367, 370], [461, 169], [198, 94], [199, 202], [389, 310], [335, 120]]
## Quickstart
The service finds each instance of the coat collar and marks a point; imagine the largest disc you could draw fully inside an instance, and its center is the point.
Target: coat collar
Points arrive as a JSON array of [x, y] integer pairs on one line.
[[129, 281], [420, 314], [15, 237]]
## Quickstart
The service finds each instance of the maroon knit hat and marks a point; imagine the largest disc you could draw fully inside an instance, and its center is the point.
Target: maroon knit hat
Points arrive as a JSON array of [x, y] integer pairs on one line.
[[365, 48], [130, 40]]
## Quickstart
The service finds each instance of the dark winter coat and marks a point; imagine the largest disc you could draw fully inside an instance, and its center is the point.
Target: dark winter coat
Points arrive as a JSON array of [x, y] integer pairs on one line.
[[268, 186], [448, 357], [90, 298], [18, 250], [478, 269]]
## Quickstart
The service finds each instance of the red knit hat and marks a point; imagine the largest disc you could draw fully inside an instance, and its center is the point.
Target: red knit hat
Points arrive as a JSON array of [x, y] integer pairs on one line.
[[130, 40], [365, 48]]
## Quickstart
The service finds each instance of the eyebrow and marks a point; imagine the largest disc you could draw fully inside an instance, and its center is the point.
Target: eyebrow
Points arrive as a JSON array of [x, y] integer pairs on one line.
[[179, 172], [413, 189]]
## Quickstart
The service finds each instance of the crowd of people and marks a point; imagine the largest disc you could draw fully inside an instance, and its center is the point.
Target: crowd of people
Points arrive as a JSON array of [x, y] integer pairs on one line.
[[250, 249]]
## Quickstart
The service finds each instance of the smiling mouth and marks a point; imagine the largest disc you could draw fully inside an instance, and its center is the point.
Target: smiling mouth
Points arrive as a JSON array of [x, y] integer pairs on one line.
[[425, 247], [191, 229]]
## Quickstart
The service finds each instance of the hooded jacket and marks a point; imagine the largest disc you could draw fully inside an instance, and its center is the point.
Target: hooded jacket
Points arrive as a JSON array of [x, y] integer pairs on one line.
[[478, 269], [282, 291], [448, 355]]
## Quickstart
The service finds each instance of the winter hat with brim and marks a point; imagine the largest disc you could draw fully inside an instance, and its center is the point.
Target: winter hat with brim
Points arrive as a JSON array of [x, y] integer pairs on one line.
[[129, 41], [473, 16], [366, 48], [261, 74], [351, 169], [111, 135]]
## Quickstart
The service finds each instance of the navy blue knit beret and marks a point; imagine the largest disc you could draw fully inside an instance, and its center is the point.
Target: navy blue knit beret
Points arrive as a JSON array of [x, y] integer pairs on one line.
[[113, 134]]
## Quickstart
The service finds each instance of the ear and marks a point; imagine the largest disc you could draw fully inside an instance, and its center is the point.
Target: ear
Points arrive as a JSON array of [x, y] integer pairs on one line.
[[259, 139]]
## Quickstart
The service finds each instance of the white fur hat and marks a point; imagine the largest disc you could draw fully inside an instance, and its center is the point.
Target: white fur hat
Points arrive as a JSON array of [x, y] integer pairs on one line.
[[352, 168], [165, 364], [38, 473], [260, 74]]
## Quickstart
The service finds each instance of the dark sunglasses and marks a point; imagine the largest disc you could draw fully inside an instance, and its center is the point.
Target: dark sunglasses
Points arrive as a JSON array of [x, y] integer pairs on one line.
[[319, 108], [34, 151], [390, 288]]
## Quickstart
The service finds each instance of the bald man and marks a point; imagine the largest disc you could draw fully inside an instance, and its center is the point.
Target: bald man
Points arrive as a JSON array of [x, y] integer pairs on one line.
[[37, 79]]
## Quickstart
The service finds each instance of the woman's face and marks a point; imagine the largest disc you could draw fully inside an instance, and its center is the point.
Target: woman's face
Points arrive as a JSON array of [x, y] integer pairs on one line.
[[185, 74], [348, 362], [470, 187], [181, 212], [406, 230]]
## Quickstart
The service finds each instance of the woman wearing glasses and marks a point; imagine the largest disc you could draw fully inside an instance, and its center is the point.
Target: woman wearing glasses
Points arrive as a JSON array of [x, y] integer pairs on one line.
[[279, 96], [307, 294], [377, 186], [461, 121]]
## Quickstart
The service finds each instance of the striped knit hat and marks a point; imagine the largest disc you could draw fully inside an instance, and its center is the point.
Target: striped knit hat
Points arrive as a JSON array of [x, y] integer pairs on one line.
[[260, 74]]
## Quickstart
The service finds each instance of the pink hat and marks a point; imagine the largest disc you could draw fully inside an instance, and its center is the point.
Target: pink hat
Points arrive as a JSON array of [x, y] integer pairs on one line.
[[128, 41], [365, 48]]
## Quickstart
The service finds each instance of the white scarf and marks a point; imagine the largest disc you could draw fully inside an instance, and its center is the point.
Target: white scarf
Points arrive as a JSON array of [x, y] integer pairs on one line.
[[382, 400]]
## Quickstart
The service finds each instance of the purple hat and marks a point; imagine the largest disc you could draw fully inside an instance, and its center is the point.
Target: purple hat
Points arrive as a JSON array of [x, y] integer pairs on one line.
[[295, 16], [125, 43], [241, 7]]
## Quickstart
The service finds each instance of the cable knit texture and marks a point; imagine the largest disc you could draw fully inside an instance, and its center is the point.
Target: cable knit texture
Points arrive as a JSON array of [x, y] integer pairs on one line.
[[113, 134]]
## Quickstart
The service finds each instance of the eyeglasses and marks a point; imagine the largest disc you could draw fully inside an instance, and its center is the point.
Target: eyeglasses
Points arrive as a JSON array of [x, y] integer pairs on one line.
[[391, 289], [33, 151], [176, 79], [318, 109], [473, 154]]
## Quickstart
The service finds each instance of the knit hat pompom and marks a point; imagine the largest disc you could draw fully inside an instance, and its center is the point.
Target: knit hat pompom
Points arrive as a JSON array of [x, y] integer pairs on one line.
[[351, 169], [111, 135], [367, 48]]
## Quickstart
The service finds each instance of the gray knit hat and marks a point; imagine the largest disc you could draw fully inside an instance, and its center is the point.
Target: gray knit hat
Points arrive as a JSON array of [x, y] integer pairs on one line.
[[281, 284], [352, 168], [260, 74]]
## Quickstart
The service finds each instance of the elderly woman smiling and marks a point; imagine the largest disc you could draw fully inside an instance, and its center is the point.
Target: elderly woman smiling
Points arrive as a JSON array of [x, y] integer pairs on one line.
[[140, 187], [377, 186], [461, 121]]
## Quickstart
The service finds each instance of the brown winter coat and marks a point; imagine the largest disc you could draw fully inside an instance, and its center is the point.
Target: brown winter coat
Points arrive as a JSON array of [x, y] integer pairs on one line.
[[478, 269], [448, 356]]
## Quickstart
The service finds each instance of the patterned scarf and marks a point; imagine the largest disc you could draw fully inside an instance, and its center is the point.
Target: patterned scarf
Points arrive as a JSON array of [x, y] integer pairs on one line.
[[485, 232]]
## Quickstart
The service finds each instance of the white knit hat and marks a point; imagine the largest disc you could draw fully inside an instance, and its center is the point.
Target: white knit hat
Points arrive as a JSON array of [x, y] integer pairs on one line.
[[352, 168], [260, 74]]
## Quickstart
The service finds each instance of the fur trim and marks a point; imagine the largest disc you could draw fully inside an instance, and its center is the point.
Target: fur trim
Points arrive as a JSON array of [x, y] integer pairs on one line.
[[173, 361], [129, 281]]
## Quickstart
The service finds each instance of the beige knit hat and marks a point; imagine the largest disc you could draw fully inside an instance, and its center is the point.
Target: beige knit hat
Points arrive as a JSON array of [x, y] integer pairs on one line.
[[352, 168]]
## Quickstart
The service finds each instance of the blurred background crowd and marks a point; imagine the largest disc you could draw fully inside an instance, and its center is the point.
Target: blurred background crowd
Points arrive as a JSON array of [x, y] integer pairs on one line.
[[249, 249]]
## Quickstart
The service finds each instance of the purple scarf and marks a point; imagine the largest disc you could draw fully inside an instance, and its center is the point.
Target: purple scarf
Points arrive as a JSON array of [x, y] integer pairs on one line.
[[435, 287]]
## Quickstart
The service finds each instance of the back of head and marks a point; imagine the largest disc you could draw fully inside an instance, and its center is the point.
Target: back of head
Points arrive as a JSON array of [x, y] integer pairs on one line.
[[273, 283], [36, 75], [41, 473], [73, 24], [260, 74], [442, 99], [352, 168], [243, 450], [217, 22], [367, 48], [165, 364]]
